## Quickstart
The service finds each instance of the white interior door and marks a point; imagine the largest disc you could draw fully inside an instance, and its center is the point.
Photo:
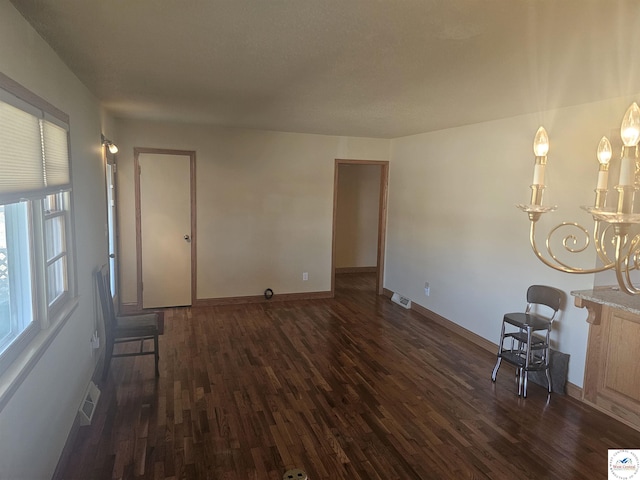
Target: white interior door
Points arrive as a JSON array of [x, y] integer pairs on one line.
[[165, 229]]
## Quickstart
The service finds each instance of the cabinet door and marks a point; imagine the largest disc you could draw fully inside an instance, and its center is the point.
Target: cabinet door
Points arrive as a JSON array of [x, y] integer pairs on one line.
[[612, 372], [622, 370]]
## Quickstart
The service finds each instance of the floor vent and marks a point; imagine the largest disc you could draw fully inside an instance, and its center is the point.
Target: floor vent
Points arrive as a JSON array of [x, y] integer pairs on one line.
[[295, 474], [400, 300], [89, 404]]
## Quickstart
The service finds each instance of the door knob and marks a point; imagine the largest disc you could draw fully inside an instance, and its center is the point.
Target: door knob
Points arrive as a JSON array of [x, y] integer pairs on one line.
[[187, 238]]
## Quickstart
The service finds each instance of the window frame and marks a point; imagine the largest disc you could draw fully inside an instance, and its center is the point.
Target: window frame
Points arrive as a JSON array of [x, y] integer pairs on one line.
[[64, 212], [48, 318]]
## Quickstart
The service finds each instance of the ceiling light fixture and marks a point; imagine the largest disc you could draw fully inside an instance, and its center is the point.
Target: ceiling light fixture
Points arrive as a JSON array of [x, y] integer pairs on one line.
[[615, 234], [113, 148]]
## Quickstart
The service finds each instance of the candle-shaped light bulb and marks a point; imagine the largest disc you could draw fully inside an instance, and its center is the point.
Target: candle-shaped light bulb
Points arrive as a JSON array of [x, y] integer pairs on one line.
[[541, 143], [540, 148], [604, 151], [630, 133], [630, 129], [604, 155]]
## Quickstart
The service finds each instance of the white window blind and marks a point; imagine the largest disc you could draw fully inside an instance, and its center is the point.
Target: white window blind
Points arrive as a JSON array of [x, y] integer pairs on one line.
[[20, 151], [56, 155], [34, 153]]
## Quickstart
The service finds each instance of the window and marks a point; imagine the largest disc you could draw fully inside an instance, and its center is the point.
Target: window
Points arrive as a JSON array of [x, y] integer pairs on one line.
[[36, 268], [55, 227], [16, 299]]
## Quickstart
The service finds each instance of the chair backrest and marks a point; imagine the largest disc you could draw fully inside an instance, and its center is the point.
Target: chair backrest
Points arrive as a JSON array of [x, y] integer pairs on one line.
[[544, 295], [106, 300]]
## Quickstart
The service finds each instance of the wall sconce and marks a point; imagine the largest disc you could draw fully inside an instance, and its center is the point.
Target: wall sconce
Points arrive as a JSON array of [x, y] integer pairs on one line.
[[113, 148], [616, 241]]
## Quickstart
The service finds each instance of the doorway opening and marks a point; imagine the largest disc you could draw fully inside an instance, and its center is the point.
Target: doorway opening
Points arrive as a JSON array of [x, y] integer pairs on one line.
[[359, 218]]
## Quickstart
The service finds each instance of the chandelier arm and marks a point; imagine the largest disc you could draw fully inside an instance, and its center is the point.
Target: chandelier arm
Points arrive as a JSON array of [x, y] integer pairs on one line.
[[560, 266], [633, 247], [565, 242], [598, 241], [622, 271]]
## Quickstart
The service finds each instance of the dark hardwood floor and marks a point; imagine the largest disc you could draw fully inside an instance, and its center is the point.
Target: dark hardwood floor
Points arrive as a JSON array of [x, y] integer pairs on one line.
[[349, 388]]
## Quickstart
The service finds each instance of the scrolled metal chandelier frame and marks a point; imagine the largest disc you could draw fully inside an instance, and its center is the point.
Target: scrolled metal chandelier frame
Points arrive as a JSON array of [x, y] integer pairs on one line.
[[615, 240]]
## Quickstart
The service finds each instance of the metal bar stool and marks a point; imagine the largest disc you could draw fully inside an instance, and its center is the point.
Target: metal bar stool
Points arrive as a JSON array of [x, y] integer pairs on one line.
[[519, 346]]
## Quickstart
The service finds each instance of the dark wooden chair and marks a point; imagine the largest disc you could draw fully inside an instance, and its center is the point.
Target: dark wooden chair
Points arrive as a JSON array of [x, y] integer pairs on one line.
[[126, 328]]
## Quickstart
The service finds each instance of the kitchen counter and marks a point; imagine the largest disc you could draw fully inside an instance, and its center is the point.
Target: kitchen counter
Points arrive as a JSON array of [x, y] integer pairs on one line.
[[611, 297]]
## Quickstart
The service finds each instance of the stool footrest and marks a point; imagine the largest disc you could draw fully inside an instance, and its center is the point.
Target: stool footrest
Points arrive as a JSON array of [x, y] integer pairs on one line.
[[536, 342], [518, 358]]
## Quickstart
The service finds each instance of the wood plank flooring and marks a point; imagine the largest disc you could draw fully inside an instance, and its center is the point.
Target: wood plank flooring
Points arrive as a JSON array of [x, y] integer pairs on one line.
[[348, 388]]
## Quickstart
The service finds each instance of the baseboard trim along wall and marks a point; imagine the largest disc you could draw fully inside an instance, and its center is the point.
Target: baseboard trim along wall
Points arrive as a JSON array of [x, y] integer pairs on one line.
[[67, 450], [356, 270], [127, 308], [573, 390], [454, 327], [277, 297]]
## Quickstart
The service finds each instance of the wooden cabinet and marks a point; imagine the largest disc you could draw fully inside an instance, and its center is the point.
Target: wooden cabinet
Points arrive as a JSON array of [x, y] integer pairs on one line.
[[612, 370]]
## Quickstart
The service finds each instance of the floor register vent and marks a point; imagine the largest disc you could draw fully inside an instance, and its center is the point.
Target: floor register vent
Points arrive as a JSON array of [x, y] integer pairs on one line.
[[89, 404], [400, 300]]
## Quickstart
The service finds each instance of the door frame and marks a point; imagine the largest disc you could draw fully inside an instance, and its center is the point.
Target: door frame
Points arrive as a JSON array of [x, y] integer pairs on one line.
[[382, 218], [192, 188], [110, 159]]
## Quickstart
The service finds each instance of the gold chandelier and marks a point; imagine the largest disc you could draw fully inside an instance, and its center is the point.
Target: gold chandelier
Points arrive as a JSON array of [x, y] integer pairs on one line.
[[616, 241]]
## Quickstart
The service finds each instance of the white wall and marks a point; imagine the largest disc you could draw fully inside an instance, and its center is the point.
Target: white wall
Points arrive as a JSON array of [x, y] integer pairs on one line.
[[357, 212], [264, 204], [452, 220], [264, 213], [36, 421]]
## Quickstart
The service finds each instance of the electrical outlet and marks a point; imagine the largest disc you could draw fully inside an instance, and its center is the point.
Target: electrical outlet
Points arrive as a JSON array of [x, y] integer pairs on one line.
[[95, 341], [305, 276], [427, 289]]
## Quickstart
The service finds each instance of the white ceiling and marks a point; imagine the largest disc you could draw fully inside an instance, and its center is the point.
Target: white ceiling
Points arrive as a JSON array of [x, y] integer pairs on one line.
[[378, 68]]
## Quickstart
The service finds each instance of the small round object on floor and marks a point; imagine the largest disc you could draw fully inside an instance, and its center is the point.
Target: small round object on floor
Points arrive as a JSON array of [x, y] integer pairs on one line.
[[295, 474]]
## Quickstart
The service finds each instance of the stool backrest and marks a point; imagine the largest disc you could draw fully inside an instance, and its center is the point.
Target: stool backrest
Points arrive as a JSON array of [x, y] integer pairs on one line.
[[544, 295]]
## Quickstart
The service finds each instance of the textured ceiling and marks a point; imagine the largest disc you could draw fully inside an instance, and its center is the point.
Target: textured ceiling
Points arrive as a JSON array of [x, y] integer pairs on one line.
[[379, 68]]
